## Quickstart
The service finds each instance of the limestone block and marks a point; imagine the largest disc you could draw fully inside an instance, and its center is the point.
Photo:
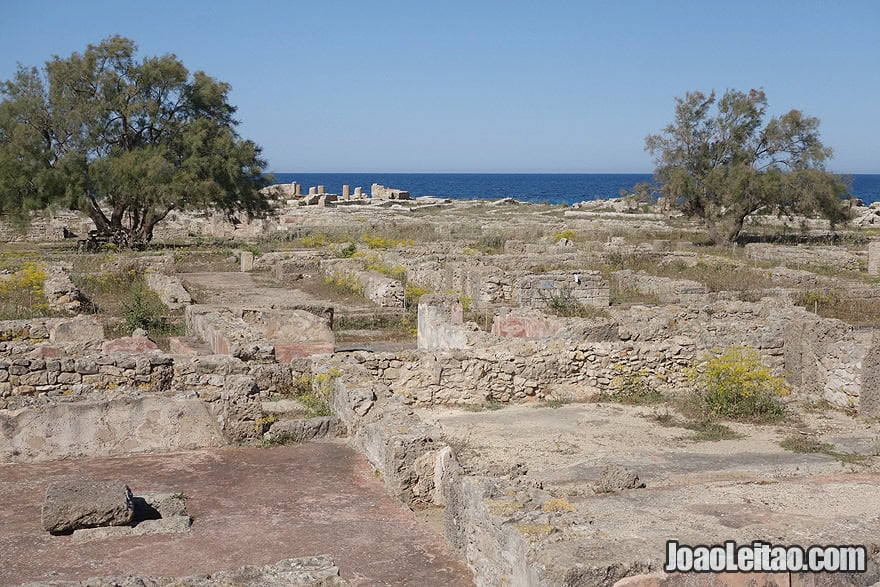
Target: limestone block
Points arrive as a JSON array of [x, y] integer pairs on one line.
[[80, 329], [129, 344], [247, 261], [71, 505]]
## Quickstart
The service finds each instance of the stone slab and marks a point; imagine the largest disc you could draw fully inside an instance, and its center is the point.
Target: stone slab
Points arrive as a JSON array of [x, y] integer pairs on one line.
[[84, 503], [130, 345]]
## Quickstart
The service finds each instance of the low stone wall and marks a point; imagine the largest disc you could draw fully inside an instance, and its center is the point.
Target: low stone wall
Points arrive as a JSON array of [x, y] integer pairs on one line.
[[380, 192], [61, 294], [804, 256], [293, 333], [43, 228], [380, 289], [409, 454], [117, 404], [227, 334], [668, 291], [541, 291], [520, 370], [77, 376]]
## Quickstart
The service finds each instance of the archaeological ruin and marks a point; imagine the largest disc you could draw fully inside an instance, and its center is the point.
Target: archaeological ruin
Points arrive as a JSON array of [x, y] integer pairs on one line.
[[390, 390]]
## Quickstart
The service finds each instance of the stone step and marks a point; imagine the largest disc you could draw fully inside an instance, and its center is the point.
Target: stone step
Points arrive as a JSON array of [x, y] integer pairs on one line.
[[188, 345], [284, 407], [303, 430]]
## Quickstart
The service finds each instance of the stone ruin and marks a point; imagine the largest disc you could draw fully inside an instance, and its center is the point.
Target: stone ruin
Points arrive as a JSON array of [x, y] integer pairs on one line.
[[93, 510], [380, 192], [515, 517]]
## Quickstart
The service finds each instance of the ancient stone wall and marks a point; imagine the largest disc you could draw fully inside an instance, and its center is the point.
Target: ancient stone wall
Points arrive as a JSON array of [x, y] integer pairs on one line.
[[104, 405], [804, 256], [440, 323], [380, 192], [43, 228], [169, 289], [227, 334], [380, 289], [518, 370], [668, 291], [587, 288]]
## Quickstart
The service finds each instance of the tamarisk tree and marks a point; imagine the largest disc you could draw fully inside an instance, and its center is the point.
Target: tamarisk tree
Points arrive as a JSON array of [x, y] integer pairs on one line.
[[125, 141], [719, 161]]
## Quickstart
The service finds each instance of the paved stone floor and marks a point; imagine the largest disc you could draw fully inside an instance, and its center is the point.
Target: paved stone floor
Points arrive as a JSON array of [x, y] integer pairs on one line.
[[250, 506]]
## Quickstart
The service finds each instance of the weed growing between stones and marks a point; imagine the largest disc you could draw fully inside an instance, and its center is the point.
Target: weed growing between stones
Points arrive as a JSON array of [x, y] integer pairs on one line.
[[564, 304], [710, 432], [314, 392], [736, 386], [829, 304], [804, 444], [347, 251], [491, 405], [633, 389]]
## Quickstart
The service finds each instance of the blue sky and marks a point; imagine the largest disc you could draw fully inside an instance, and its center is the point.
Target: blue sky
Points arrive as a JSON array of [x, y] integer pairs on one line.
[[487, 86]]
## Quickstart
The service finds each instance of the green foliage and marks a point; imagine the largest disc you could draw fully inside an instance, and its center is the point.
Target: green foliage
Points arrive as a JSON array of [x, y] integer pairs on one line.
[[413, 292], [807, 445], [347, 252], [724, 166], [710, 431], [254, 249], [101, 131], [143, 310], [736, 385]]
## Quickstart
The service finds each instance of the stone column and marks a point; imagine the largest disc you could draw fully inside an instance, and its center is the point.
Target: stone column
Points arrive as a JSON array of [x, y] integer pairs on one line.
[[874, 258], [313, 191], [297, 189], [358, 193], [346, 192], [321, 189], [247, 261]]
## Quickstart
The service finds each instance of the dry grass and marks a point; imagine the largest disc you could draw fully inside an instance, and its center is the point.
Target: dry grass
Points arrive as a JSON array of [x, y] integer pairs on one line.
[[830, 304]]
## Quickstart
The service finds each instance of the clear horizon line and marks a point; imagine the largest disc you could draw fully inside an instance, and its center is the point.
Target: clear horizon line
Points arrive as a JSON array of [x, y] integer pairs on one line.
[[844, 173]]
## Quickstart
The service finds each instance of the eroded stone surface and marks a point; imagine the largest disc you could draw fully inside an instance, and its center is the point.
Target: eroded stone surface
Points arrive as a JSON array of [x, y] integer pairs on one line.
[[76, 504]]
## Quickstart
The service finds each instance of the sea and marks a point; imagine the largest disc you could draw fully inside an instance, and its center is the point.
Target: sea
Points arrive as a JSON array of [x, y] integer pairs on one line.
[[552, 188]]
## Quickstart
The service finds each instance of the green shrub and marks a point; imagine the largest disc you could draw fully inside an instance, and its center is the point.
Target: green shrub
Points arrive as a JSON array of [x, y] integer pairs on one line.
[[347, 252], [737, 386]]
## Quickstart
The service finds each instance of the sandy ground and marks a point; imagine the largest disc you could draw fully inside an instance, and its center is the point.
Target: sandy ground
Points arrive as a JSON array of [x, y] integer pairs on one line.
[[250, 506]]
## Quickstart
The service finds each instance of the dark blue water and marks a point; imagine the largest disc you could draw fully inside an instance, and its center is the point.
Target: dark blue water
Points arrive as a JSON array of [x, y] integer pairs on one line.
[[555, 188]]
